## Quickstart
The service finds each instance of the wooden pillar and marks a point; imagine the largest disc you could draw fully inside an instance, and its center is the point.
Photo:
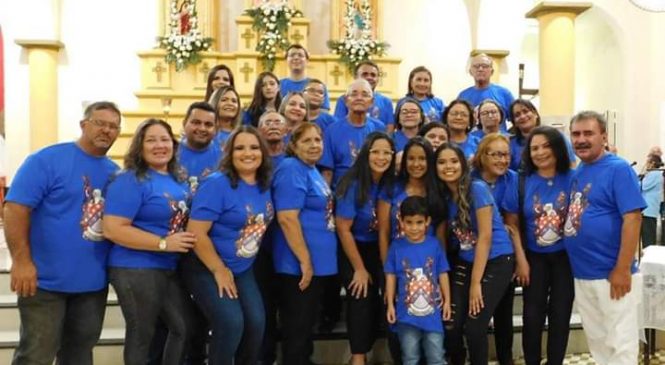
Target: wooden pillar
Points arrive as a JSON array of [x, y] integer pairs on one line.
[[557, 55], [43, 103]]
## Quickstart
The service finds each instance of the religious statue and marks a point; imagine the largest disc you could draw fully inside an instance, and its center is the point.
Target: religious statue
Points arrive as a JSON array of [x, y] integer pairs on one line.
[[358, 25], [185, 13]]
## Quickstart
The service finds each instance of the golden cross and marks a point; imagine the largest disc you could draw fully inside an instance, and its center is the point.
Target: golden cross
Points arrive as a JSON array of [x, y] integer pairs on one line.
[[336, 73], [158, 69], [297, 37], [204, 69], [246, 70], [247, 36]]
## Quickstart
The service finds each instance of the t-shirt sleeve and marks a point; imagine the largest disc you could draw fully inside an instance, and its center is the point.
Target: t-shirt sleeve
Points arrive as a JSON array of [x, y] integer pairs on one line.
[[340, 108], [326, 99], [481, 195], [345, 207], [327, 160], [124, 196], [442, 261], [385, 195], [289, 189], [510, 201], [390, 266], [387, 113], [32, 182], [208, 202], [627, 190]]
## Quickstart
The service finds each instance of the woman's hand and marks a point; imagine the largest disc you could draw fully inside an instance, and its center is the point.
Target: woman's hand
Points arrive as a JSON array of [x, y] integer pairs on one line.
[[476, 303], [180, 242], [522, 272], [390, 314], [360, 283], [225, 283], [307, 273]]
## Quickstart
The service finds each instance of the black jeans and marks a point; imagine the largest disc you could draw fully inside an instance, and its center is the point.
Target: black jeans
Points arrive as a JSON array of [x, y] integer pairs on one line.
[[264, 273], [298, 310], [145, 296], [503, 327], [550, 294], [494, 284], [364, 314], [62, 325], [648, 231]]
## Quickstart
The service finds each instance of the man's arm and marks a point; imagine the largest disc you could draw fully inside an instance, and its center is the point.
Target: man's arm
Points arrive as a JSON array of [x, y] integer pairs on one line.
[[620, 277], [17, 233]]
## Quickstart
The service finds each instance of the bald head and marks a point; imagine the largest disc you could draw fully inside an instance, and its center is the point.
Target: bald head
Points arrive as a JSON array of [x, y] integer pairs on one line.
[[481, 69]]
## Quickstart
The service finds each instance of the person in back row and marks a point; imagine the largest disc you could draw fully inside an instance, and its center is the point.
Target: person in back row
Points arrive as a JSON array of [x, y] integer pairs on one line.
[[296, 60], [420, 88]]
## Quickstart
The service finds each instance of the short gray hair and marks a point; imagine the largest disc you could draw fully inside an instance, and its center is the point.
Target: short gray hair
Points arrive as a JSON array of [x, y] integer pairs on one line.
[[361, 82], [590, 114], [100, 105], [265, 115]]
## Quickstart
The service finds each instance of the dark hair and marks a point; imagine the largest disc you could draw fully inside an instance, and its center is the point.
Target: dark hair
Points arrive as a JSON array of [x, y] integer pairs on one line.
[[432, 125], [435, 199], [258, 103], [217, 95], [297, 133], [361, 173], [557, 143], [593, 115], [412, 74], [411, 100], [100, 105], [134, 157], [211, 77], [655, 161], [468, 107], [202, 105], [414, 205], [527, 104], [264, 172], [365, 63], [296, 46], [463, 187], [502, 115]]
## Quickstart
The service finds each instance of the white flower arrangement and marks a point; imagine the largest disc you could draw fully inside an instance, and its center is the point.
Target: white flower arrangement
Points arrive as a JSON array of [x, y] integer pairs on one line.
[[358, 44], [272, 21], [183, 40]]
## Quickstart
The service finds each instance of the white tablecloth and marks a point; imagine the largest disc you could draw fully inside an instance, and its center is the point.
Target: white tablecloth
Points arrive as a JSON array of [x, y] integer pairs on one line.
[[652, 268]]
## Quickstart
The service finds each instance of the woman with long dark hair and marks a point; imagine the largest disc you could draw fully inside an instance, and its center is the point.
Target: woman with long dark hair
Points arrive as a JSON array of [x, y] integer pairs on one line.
[[266, 97], [226, 102], [361, 268], [218, 76]]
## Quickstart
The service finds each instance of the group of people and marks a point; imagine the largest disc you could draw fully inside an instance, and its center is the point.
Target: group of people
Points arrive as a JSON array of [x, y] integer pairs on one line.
[[428, 216]]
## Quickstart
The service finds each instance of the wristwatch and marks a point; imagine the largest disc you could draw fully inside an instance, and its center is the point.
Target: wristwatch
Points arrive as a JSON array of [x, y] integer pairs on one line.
[[162, 244]]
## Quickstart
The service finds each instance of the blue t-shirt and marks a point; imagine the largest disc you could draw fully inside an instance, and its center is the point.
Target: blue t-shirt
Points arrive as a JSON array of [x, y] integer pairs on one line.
[[544, 210], [277, 159], [324, 120], [433, 108], [395, 199], [466, 239], [601, 193], [652, 192], [239, 218], [298, 186], [365, 224], [417, 267], [220, 139], [500, 94], [341, 143], [501, 186], [381, 109], [400, 140], [287, 85], [517, 147], [64, 187], [469, 146], [157, 204], [199, 163]]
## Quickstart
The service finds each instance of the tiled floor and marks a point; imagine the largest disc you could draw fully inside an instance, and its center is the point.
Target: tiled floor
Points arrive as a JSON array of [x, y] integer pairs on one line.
[[585, 359]]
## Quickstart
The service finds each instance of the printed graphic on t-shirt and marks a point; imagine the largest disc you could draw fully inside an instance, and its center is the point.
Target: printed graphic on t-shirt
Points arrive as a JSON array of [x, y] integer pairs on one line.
[[399, 231], [433, 115], [374, 222], [93, 207], [247, 245], [193, 181], [466, 238], [179, 215], [330, 204], [374, 112], [578, 202], [421, 294], [353, 150], [549, 219]]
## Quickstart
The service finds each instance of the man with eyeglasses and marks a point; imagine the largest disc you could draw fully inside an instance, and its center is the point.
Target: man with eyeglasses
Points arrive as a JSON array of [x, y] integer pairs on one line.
[[382, 107], [53, 227], [296, 61], [481, 69]]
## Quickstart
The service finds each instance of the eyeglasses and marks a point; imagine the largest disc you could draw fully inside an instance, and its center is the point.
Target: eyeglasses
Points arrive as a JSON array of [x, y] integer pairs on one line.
[[105, 124], [497, 155], [481, 66], [409, 111], [272, 122], [489, 112], [459, 114]]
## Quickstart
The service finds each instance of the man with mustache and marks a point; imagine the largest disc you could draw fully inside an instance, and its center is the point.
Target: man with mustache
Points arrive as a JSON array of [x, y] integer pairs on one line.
[[272, 126], [53, 230], [602, 234]]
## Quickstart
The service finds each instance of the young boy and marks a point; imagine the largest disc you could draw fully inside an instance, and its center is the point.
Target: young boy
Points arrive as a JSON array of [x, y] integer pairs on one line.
[[315, 92], [417, 265]]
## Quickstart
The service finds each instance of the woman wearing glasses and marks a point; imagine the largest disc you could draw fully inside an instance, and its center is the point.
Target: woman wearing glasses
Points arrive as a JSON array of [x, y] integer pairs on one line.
[[490, 116], [458, 116]]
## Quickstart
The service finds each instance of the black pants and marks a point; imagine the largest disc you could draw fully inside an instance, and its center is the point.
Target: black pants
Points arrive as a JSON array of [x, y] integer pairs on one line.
[[494, 284], [298, 310], [264, 272], [503, 327], [363, 314], [648, 231], [550, 294]]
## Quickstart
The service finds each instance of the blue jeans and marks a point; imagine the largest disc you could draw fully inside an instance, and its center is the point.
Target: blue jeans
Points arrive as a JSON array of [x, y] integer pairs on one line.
[[62, 325], [237, 324], [412, 338]]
